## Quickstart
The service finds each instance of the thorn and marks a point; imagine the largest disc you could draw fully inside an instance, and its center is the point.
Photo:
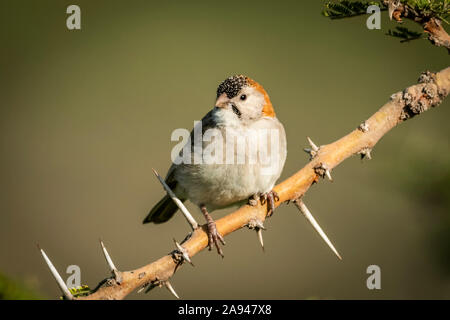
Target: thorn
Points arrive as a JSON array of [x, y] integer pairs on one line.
[[142, 288], [390, 12], [59, 280], [322, 170], [110, 263], [392, 6], [257, 225], [328, 174], [260, 238], [312, 144], [170, 288], [194, 225], [183, 252], [304, 210]]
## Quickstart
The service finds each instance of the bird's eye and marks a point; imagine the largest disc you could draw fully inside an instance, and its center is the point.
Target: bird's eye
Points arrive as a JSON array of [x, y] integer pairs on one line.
[[243, 97]]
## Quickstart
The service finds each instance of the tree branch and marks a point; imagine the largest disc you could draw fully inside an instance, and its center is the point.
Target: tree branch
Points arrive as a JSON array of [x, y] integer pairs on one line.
[[428, 14], [437, 34], [430, 22], [429, 92]]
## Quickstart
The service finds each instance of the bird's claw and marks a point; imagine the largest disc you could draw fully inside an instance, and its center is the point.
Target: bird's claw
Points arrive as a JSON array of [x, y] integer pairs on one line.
[[214, 237], [263, 198], [270, 197]]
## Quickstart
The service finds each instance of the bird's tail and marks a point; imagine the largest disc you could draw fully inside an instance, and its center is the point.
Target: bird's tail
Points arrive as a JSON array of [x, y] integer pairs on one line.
[[162, 211]]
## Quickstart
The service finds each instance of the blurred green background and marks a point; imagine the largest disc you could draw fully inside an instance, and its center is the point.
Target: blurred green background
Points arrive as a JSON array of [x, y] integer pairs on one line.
[[86, 114]]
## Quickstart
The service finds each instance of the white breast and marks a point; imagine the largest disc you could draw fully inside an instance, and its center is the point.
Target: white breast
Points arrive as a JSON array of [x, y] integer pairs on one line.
[[236, 179]]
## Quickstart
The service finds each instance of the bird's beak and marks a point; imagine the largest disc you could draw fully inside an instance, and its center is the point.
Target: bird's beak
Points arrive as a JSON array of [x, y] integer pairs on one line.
[[222, 101]]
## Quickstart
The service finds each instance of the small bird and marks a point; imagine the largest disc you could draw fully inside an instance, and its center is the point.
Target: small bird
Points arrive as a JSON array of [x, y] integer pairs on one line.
[[242, 109]]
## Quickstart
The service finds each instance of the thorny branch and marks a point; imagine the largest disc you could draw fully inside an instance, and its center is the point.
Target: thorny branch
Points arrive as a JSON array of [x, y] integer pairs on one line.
[[429, 92], [432, 25], [428, 14]]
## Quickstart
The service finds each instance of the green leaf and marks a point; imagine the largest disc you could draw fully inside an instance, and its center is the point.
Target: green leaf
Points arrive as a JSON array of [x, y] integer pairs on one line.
[[345, 8], [404, 33]]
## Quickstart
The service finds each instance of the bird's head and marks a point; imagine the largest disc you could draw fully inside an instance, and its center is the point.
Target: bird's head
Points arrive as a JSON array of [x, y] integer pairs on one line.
[[243, 99]]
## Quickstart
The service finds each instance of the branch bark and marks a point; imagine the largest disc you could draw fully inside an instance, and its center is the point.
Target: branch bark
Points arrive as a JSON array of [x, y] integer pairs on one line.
[[429, 92]]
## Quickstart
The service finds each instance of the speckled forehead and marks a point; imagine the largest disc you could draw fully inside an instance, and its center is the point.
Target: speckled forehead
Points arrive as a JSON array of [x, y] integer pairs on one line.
[[232, 85]]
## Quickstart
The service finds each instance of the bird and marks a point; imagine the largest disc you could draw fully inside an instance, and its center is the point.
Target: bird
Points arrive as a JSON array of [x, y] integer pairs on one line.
[[242, 110]]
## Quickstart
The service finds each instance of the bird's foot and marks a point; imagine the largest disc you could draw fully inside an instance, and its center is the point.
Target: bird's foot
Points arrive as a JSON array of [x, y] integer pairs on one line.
[[270, 197], [214, 237]]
